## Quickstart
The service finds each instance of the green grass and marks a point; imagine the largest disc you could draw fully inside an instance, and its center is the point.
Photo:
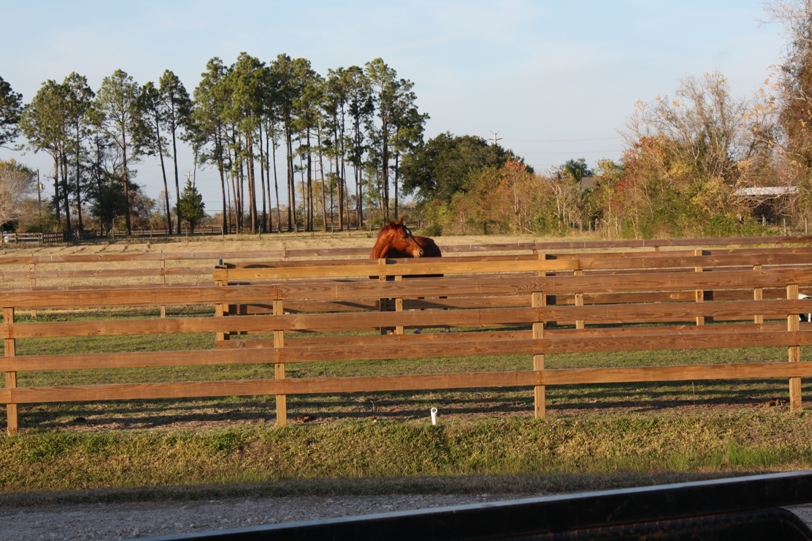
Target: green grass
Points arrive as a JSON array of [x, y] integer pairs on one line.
[[729, 442]]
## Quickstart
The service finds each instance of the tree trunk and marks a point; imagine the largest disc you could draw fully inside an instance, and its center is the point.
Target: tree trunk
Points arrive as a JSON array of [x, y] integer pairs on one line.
[[276, 189], [339, 149], [359, 191], [305, 199], [323, 187], [235, 200], [166, 187], [220, 168], [66, 193], [265, 195], [57, 201], [252, 185], [397, 157], [345, 192], [127, 220], [310, 204], [292, 223], [175, 161], [384, 170], [79, 180]]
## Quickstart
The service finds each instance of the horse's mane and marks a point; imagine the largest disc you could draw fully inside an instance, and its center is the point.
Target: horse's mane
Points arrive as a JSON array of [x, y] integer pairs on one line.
[[389, 227]]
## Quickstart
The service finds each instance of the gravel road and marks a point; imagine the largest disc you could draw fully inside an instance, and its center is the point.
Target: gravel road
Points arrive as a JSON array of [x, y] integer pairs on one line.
[[134, 520], [101, 522]]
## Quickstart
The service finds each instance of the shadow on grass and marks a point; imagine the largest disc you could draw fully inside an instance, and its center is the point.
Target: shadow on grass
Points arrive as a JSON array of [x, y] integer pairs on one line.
[[473, 403]]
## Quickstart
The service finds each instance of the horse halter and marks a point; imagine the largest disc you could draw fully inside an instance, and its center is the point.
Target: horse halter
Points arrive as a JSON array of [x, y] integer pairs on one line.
[[408, 234]]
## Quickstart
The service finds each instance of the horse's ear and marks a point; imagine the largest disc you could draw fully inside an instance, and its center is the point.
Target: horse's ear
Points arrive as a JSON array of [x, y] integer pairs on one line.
[[400, 222]]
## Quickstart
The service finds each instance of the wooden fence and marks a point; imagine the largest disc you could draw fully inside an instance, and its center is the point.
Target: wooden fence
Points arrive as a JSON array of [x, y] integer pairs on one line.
[[35, 238], [598, 304], [168, 267], [62, 237]]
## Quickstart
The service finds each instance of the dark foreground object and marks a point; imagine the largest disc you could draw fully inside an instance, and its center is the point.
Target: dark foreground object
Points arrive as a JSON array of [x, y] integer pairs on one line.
[[741, 508]]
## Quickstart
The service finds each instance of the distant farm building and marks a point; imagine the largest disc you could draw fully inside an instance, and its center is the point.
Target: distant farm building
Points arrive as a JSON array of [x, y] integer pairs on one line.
[[767, 202]]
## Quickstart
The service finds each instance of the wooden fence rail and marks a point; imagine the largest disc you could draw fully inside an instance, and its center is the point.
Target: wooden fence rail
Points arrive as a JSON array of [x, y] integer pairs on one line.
[[468, 296], [168, 267], [593, 248]]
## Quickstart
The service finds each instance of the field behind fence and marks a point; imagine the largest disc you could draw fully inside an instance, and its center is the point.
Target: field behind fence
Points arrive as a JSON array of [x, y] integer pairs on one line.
[[295, 310]]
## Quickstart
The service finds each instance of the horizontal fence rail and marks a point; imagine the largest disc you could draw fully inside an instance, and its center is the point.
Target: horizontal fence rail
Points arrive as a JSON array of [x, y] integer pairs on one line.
[[51, 270], [302, 312]]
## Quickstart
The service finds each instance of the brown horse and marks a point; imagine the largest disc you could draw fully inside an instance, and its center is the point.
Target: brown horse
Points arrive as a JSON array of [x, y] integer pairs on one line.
[[396, 240]]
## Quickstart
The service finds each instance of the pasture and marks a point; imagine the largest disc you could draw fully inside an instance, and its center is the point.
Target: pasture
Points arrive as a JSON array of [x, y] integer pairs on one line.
[[100, 426]]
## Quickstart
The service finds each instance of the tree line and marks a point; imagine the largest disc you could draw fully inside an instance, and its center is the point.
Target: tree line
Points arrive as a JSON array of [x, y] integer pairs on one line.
[[357, 120], [701, 162]]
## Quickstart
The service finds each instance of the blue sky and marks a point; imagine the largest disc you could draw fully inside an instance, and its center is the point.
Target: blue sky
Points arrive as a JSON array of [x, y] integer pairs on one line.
[[556, 80]]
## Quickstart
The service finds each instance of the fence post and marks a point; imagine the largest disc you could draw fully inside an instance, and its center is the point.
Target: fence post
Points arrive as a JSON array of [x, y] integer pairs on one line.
[[758, 294], [163, 282], [220, 308], [383, 304], [579, 301], [399, 307], [793, 325], [10, 345], [699, 295], [33, 269], [538, 299], [279, 368]]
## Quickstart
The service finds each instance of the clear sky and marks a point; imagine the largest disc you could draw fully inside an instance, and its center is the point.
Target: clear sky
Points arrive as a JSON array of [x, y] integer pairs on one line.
[[555, 80]]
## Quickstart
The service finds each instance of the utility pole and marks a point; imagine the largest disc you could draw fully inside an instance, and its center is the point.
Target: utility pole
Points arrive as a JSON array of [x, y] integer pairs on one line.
[[39, 199], [495, 139]]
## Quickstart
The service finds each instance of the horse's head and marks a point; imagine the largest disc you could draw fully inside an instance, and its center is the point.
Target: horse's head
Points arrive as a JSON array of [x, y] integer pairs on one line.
[[396, 238]]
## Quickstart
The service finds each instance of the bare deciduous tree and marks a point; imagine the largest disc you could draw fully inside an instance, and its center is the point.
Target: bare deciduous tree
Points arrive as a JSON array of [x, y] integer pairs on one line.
[[707, 128]]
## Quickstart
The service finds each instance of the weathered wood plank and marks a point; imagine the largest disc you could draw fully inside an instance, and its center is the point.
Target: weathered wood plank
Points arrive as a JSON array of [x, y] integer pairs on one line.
[[503, 301], [662, 261], [136, 296], [672, 338], [658, 312], [363, 340], [455, 286], [136, 359], [355, 289], [363, 252], [285, 273], [592, 263], [577, 376]]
